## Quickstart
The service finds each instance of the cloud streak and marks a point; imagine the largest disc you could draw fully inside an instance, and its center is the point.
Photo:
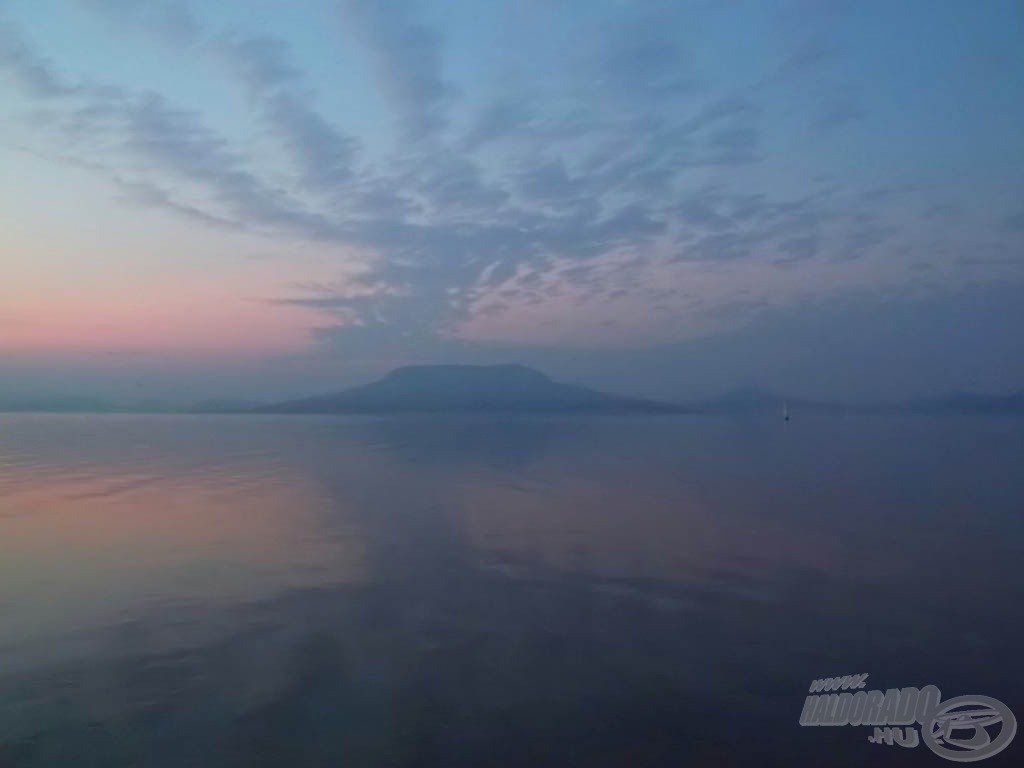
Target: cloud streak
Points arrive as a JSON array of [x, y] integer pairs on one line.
[[407, 59]]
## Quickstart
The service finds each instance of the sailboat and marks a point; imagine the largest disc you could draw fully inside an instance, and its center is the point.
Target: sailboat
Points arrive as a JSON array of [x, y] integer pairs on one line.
[[785, 411]]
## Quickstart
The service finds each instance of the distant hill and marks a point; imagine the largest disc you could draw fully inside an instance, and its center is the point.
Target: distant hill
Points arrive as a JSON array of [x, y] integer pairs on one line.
[[224, 406], [756, 401], [469, 388], [56, 404], [748, 400], [970, 402], [80, 404]]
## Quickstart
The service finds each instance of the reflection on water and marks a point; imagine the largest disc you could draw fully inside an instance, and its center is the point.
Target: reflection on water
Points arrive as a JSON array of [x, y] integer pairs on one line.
[[236, 591]]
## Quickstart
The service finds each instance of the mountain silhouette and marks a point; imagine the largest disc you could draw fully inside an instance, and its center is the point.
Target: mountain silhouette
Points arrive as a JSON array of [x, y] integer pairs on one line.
[[469, 388]]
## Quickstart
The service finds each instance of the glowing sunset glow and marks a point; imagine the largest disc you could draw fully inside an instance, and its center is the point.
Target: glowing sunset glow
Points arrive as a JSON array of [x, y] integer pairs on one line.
[[158, 319]]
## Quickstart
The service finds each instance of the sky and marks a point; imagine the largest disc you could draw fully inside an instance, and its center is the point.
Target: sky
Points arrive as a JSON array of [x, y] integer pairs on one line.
[[257, 199]]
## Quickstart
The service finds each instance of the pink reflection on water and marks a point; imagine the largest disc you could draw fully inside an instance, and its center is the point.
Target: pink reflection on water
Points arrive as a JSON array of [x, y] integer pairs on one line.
[[82, 549]]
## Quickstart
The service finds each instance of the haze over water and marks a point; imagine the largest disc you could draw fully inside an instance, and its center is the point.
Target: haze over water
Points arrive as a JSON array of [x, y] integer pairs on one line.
[[354, 591]]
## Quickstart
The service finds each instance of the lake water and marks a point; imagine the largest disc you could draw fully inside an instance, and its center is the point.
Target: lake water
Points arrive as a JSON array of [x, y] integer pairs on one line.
[[471, 591]]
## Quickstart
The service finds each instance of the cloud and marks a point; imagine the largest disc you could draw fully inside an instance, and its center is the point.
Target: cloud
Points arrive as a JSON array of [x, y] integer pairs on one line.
[[323, 154], [459, 223], [150, 147], [500, 118], [644, 56], [261, 63], [31, 72], [637, 152], [1014, 222], [149, 195], [407, 58], [174, 142], [836, 110], [465, 233], [144, 132], [172, 20]]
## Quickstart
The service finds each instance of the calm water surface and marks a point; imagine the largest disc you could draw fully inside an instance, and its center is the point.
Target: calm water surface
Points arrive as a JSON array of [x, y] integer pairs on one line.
[[469, 591]]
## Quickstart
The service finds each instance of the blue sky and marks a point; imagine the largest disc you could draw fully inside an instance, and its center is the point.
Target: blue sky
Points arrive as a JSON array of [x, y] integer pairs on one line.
[[672, 198]]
